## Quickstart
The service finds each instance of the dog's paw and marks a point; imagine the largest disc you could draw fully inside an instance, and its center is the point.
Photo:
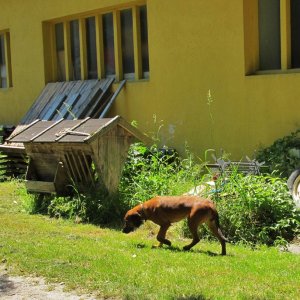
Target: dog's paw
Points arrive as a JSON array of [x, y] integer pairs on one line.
[[186, 248]]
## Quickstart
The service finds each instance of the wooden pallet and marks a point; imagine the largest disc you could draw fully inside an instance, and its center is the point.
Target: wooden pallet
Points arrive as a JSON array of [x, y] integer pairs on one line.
[[70, 100], [13, 162]]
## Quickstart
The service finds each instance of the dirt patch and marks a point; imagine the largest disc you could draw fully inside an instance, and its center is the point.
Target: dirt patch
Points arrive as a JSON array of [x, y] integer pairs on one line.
[[294, 248], [23, 288]]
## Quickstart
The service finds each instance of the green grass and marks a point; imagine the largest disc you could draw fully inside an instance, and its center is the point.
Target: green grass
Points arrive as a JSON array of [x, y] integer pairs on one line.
[[113, 264]]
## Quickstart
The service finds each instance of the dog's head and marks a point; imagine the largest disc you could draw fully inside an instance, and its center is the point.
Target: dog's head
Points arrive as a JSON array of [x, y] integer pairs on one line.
[[133, 220]]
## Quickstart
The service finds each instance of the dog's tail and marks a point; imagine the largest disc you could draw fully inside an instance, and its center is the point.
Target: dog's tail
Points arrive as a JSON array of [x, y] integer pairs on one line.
[[217, 220]]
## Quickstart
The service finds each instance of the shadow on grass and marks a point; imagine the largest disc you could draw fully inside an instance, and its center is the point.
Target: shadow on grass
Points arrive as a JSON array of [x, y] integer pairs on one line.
[[193, 297], [177, 249]]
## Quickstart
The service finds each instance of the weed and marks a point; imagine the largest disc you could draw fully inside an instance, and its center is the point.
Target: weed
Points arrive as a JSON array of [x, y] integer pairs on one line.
[[151, 172]]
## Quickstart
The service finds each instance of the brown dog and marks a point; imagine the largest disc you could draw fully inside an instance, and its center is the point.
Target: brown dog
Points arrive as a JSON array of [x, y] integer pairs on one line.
[[165, 210]]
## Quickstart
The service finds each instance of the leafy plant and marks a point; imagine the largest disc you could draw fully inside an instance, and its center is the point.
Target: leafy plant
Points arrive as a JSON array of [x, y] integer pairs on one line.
[[280, 156], [256, 209]]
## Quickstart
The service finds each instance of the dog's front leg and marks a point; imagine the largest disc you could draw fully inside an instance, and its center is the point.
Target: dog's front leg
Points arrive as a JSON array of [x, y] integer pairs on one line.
[[193, 226], [161, 236]]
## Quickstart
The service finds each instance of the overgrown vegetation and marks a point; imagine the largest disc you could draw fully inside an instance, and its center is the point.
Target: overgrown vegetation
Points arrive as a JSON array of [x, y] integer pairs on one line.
[[256, 209], [283, 155], [118, 266], [253, 209], [149, 172]]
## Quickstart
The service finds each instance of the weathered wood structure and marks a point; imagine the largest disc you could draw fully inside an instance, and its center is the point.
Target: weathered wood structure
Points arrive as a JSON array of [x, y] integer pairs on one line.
[[68, 100], [76, 152]]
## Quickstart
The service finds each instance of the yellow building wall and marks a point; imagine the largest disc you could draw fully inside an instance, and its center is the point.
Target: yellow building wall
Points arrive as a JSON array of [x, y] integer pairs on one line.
[[196, 47]]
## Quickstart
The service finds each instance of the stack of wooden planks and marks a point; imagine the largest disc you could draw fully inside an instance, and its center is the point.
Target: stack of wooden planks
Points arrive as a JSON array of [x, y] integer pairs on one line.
[[70, 100]]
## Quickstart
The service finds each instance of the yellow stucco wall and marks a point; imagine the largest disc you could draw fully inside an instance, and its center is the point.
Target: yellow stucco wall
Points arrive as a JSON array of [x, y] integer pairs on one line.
[[195, 46]]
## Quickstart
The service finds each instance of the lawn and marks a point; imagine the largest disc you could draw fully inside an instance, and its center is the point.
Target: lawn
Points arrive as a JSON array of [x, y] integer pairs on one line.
[[112, 264]]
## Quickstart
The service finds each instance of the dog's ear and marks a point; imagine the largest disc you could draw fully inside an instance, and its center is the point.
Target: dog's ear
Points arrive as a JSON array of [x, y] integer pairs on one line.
[[136, 219]]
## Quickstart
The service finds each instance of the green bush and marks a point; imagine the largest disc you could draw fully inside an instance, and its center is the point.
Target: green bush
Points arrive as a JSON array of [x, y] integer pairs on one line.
[[256, 209], [280, 157], [148, 173]]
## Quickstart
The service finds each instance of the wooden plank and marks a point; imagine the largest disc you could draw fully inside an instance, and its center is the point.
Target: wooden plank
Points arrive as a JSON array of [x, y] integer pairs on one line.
[[70, 168], [46, 102], [88, 168], [101, 106], [70, 88], [53, 107], [45, 130], [40, 186], [35, 109], [42, 105], [78, 173], [96, 97], [102, 100], [111, 101], [84, 99], [66, 107], [23, 129], [80, 161], [74, 127]]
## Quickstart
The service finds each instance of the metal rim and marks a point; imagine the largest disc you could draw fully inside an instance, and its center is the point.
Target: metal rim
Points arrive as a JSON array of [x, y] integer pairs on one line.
[[296, 191]]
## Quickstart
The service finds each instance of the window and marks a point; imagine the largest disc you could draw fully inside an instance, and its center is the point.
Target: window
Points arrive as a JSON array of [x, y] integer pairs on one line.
[[60, 52], [295, 34], [272, 35], [91, 48], [75, 50], [127, 43], [5, 66], [104, 44], [108, 45], [144, 41], [269, 34]]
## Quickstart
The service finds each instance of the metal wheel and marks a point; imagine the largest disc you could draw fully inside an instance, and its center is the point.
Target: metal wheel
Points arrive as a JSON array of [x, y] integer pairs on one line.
[[294, 186]]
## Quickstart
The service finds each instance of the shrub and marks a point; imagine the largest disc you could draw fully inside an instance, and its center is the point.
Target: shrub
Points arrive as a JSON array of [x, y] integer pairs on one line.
[[280, 155], [256, 209]]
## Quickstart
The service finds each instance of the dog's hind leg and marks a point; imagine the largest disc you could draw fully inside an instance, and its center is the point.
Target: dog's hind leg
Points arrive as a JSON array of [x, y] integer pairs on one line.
[[215, 229], [161, 236], [193, 226]]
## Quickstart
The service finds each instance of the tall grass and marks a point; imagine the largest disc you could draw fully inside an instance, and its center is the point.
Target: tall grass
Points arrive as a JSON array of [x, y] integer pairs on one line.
[[256, 209]]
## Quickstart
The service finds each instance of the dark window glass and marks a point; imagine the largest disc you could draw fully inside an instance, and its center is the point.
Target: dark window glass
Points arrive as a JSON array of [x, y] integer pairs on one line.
[[108, 44], [75, 49], [127, 42], [295, 33], [91, 48], [3, 75], [269, 34], [60, 52], [144, 40]]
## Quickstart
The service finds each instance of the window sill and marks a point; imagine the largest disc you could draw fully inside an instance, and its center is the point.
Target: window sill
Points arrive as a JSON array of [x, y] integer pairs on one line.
[[5, 90], [275, 72]]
